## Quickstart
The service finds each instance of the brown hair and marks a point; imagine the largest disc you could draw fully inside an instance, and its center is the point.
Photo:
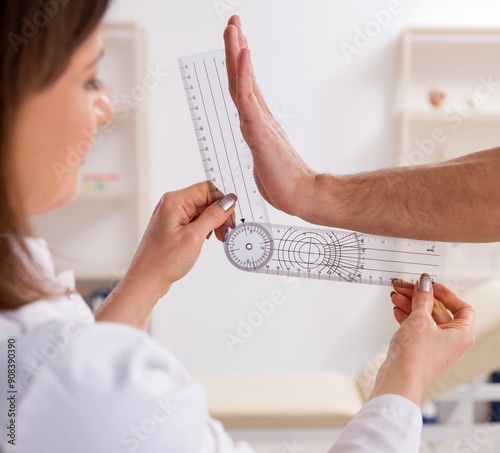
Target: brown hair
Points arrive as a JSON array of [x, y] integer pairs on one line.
[[37, 40]]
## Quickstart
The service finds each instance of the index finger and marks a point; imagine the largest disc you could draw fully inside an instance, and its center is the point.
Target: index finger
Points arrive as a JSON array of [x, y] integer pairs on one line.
[[240, 42], [234, 41], [232, 47], [458, 307], [200, 195]]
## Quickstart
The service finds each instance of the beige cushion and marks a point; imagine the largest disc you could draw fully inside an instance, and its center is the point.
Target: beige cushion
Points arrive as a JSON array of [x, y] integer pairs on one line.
[[283, 401]]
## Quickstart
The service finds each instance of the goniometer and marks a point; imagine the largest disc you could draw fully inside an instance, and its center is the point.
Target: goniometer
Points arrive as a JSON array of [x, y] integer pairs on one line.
[[258, 246]]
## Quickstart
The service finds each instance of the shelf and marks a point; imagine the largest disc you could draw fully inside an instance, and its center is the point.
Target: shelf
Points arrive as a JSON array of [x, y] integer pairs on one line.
[[103, 196], [439, 115], [457, 38], [456, 61]]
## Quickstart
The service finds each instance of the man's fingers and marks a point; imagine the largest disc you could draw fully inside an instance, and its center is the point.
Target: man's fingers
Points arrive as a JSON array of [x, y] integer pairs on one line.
[[243, 44], [245, 97], [232, 51], [236, 22]]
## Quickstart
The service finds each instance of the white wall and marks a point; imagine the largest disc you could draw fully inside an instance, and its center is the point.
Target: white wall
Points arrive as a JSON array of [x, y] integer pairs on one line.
[[344, 121]]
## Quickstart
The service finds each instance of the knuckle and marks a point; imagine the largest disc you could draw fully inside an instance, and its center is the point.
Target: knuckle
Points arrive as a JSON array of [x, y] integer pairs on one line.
[[470, 341], [165, 201], [192, 237]]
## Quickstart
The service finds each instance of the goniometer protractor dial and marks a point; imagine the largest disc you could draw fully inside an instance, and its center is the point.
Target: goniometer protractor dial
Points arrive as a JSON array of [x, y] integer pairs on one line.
[[249, 246], [320, 252]]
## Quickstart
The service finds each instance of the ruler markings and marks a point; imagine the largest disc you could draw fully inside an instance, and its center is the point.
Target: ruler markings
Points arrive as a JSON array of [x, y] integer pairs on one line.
[[208, 123], [234, 142], [223, 138]]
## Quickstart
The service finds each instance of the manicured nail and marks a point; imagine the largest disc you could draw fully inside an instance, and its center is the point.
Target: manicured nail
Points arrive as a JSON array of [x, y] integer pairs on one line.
[[209, 235], [228, 201], [394, 308], [394, 280], [392, 293], [224, 235], [425, 282]]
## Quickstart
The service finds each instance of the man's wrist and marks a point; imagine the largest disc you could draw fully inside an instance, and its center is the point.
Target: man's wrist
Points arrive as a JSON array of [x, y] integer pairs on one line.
[[320, 200]]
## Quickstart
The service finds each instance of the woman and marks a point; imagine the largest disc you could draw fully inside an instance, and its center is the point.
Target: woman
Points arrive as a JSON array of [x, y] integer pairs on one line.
[[72, 382]]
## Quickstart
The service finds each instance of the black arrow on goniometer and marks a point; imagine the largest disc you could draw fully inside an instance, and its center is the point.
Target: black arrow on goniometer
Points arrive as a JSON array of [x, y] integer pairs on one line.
[[243, 220]]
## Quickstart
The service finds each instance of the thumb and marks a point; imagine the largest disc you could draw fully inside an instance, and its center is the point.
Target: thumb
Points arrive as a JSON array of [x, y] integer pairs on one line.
[[423, 295], [215, 215]]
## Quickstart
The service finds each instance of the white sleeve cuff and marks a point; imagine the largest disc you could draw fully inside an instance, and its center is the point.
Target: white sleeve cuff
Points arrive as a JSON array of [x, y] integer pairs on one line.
[[386, 424]]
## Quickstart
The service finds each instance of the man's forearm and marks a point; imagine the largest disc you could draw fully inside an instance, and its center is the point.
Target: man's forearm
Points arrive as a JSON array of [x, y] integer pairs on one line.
[[455, 201]]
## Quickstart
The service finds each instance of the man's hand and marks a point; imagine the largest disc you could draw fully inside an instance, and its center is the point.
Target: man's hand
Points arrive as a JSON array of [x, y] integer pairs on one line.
[[284, 179]]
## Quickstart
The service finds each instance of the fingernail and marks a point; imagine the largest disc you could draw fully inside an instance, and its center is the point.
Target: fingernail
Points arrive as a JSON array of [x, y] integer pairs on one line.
[[224, 235], [392, 293], [394, 308], [425, 282], [394, 280], [228, 201], [209, 235]]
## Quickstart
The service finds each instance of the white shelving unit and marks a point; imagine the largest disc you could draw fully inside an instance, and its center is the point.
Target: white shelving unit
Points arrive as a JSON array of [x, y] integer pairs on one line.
[[461, 64], [97, 234]]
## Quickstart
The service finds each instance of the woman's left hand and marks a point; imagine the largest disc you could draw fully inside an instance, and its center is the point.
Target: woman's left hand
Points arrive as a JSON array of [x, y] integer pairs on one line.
[[180, 224], [437, 329]]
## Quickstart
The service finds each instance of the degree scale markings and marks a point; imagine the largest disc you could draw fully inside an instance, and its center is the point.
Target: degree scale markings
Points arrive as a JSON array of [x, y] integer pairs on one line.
[[256, 245], [225, 155]]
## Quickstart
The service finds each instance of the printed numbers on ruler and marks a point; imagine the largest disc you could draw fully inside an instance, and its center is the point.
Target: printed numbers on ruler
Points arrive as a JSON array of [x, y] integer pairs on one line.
[[334, 255]]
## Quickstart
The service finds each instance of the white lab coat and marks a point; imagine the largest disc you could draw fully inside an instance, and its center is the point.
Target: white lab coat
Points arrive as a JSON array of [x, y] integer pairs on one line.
[[105, 387]]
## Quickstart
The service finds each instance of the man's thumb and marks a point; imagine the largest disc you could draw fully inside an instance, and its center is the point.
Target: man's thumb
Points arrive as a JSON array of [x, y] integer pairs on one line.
[[423, 296]]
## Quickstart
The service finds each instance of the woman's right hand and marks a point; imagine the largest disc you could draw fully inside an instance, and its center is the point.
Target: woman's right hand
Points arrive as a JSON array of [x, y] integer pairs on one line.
[[437, 329], [171, 244], [286, 182]]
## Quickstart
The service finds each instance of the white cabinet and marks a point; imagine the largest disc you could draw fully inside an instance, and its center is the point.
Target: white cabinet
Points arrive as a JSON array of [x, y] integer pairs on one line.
[[98, 233], [449, 91]]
